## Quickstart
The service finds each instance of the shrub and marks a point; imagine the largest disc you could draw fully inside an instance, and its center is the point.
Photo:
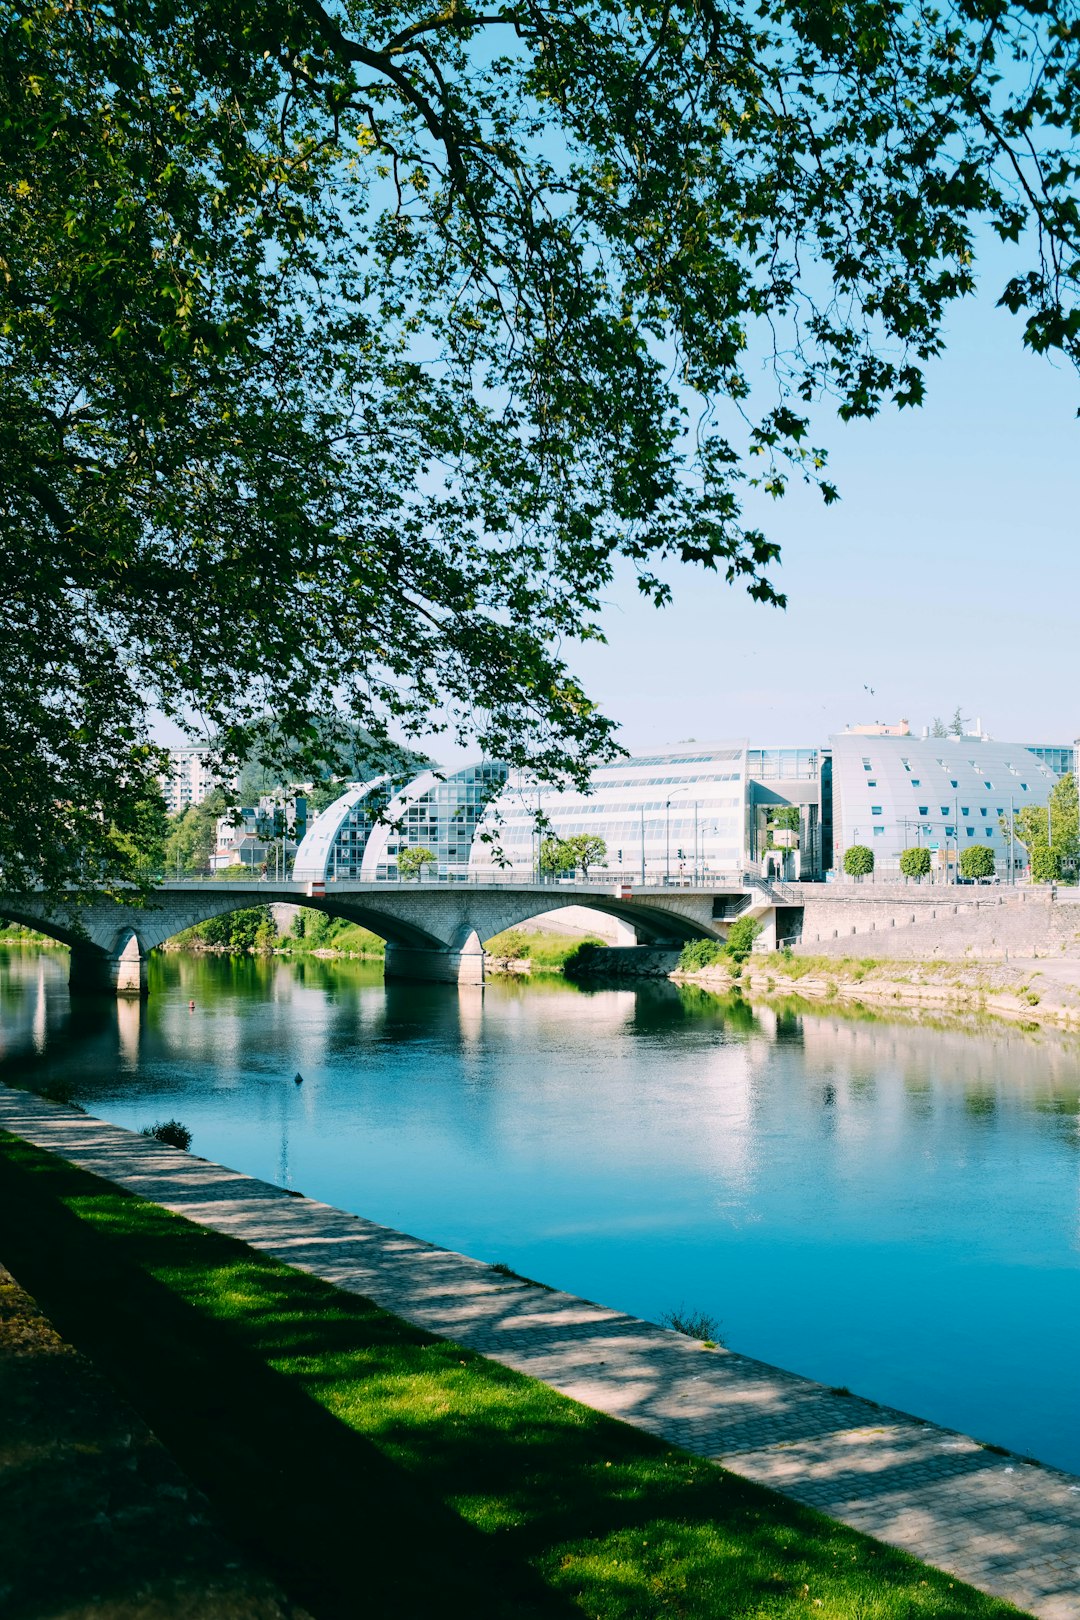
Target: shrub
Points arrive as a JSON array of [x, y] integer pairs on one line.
[[740, 938], [700, 953], [582, 960], [1045, 864], [977, 862], [169, 1131], [915, 863], [858, 861]]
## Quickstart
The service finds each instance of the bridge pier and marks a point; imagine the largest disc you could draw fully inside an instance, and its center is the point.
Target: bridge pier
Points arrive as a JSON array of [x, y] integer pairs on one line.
[[93, 972], [435, 965]]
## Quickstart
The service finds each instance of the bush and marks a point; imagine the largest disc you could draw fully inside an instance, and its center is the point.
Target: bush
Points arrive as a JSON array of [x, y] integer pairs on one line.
[[1045, 864], [169, 1131], [740, 938], [915, 863], [700, 953], [977, 862], [582, 960], [858, 861]]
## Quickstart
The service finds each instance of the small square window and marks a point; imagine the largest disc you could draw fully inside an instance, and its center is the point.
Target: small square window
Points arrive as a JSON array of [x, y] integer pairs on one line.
[[1023, 787], [875, 809], [950, 832], [984, 812], [964, 811], [924, 809], [915, 781], [988, 785], [906, 764], [871, 784], [989, 832], [945, 809], [866, 765], [953, 782], [879, 831], [970, 831]]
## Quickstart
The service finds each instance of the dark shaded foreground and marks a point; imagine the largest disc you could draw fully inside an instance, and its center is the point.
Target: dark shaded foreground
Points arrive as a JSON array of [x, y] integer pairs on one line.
[[95, 1517], [377, 1470]]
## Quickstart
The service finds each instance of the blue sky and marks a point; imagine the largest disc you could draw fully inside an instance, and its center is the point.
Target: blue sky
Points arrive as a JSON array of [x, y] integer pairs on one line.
[[949, 573]]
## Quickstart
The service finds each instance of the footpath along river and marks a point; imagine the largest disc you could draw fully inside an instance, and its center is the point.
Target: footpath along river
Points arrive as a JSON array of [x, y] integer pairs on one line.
[[887, 1206]]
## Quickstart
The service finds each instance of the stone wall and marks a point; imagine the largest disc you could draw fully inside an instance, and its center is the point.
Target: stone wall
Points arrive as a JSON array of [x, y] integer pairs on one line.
[[940, 924]]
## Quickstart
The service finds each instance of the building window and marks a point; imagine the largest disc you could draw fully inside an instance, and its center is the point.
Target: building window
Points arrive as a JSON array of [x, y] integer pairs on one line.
[[984, 812], [989, 832], [953, 782], [1023, 787], [866, 765], [945, 809], [879, 832], [875, 809], [924, 809], [871, 784], [950, 832], [964, 811], [905, 763], [970, 831], [915, 781], [988, 785]]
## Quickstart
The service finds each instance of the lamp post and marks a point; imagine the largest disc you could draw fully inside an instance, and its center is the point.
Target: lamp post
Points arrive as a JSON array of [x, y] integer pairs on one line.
[[667, 828], [643, 843]]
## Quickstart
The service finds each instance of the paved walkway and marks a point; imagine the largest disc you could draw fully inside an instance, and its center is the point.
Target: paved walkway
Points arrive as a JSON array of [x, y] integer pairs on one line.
[[1005, 1526]]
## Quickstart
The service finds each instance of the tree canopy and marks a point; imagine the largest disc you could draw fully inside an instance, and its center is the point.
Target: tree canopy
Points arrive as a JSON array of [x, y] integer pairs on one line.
[[348, 348]]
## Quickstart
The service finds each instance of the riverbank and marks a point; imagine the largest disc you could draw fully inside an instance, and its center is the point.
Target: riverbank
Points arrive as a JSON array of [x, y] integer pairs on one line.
[[330, 1432], [1029, 993]]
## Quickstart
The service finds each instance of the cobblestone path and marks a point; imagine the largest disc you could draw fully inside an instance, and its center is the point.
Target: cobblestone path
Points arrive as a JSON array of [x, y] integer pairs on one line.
[[1008, 1527]]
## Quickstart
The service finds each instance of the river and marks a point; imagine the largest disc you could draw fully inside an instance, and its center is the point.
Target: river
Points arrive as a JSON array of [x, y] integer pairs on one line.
[[889, 1206]]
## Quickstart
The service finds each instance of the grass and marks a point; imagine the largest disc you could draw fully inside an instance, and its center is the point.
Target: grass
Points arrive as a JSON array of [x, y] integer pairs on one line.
[[375, 1469], [546, 952]]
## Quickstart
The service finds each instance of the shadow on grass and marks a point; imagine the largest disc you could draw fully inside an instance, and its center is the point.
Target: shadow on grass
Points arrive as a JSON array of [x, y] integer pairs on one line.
[[375, 1469]]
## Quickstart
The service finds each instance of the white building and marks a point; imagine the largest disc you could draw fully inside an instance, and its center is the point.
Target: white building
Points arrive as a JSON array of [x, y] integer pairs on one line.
[[190, 779]]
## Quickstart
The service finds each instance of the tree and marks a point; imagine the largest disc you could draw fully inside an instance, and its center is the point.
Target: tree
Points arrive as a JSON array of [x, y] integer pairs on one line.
[[411, 861], [858, 860], [785, 818], [1050, 828], [1045, 863], [191, 836], [977, 861], [915, 862], [957, 724], [938, 727], [348, 351], [581, 851]]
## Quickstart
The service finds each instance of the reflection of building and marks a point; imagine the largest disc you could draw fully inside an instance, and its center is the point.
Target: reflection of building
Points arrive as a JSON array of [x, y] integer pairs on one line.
[[943, 793], [190, 779]]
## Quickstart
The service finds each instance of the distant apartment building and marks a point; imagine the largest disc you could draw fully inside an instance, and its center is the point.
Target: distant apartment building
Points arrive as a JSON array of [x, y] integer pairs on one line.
[[267, 833], [190, 779]]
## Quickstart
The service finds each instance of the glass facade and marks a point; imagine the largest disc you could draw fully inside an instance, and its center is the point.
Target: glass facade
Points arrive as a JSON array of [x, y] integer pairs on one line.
[[673, 814], [440, 814], [335, 845], [1059, 757]]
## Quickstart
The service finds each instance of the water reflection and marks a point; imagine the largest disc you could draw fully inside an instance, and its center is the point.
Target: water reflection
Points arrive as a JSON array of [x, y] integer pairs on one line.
[[890, 1206]]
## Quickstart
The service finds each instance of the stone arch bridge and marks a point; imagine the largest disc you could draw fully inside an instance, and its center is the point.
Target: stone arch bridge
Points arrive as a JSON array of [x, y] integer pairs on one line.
[[434, 931]]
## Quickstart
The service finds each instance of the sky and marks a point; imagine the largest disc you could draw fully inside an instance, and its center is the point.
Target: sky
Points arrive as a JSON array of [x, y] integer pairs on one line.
[[947, 575]]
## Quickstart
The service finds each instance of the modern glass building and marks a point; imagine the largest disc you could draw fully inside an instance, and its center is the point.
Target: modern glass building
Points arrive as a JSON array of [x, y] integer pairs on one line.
[[361, 834], [943, 793], [674, 813]]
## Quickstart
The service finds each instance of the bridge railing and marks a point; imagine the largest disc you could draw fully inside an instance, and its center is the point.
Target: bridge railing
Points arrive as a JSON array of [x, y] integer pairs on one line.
[[596, 877]]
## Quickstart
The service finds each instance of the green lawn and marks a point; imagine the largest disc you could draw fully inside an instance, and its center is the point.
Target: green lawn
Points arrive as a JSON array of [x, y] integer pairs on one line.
[[378, 1471]]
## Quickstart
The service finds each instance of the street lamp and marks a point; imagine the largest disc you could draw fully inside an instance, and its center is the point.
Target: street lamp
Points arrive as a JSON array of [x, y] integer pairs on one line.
[[667, 830]]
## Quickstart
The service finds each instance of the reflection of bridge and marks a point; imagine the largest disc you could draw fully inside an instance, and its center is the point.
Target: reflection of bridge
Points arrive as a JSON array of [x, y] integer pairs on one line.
[[433, 931]]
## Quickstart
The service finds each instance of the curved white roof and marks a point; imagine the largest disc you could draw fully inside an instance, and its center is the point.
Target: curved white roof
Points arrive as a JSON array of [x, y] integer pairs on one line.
[[313, 856]]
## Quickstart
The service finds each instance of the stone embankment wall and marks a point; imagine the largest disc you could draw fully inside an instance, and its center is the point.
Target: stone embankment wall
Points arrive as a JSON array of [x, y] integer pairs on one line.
[[914, 925]]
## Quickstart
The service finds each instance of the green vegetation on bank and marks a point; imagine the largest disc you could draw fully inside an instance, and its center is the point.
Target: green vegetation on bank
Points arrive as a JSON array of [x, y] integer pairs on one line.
[[15, 934], [255, 929], [548, 953], [366, 1463], [733, 951]]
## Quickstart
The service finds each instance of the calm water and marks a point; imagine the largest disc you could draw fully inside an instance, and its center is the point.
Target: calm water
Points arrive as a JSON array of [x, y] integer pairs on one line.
[[886, 1207]]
